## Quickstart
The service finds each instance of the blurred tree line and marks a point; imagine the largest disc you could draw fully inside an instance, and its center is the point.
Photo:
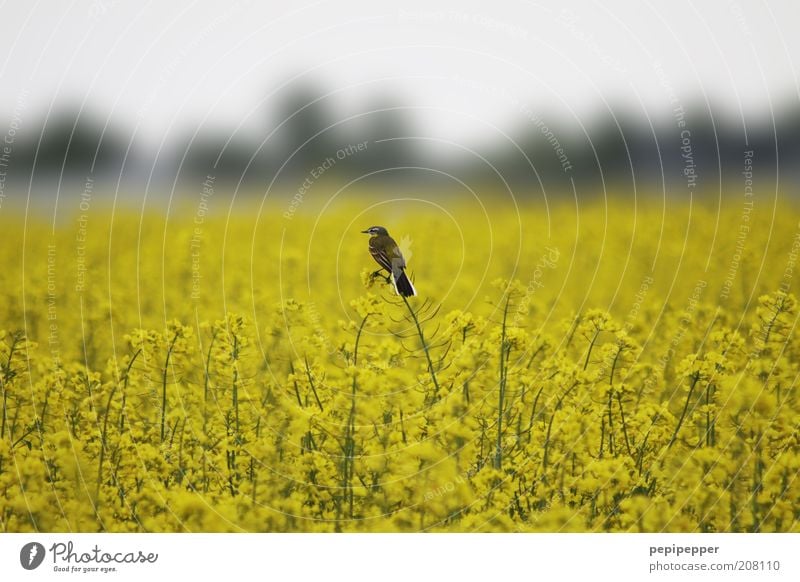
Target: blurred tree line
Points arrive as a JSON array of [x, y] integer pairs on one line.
[[303, 130]]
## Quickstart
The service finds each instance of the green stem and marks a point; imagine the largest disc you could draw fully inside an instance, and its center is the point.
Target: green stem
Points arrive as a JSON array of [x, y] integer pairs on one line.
[[296, 387], [550, 424], [695, 378], [533, 411], [589, 351], [311, 383], [164, 386], [425, 348], [8, 374], [756, 489], [498, 451], [103, 445], [611, 448], [358, 337], [613, 368], [235, 395], [624, 425], [710, 421], [5, 413], [348, 468], [207, 375]]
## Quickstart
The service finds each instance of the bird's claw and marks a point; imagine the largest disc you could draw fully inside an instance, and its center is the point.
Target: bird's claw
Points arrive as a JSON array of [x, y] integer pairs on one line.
[[381, 275]]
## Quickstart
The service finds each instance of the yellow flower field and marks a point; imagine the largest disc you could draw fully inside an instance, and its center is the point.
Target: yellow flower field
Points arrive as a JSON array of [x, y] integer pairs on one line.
[[613, 365]]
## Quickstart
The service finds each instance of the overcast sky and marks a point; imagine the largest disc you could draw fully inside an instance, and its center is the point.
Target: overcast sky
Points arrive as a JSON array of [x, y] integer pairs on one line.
[[162, 65]]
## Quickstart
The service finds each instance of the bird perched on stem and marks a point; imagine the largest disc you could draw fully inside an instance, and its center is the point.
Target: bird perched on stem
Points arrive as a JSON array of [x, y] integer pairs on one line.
[[387, 254]]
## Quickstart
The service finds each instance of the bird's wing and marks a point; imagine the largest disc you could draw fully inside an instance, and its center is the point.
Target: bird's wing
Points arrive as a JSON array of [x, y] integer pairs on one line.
[[380, 256], [387, 255]]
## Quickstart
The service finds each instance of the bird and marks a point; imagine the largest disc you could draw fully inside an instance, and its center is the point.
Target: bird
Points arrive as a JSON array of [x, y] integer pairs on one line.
[[387, 254]]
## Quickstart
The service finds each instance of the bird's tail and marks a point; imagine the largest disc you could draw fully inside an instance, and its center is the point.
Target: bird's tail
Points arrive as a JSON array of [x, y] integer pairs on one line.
[[402, 284]]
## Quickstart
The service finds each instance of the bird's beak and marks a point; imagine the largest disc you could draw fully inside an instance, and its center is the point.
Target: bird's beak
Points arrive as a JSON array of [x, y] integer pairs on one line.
[[365, 231]]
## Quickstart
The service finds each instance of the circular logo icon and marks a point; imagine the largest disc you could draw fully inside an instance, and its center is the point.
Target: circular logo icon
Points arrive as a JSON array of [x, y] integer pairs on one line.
[[31, 555]]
